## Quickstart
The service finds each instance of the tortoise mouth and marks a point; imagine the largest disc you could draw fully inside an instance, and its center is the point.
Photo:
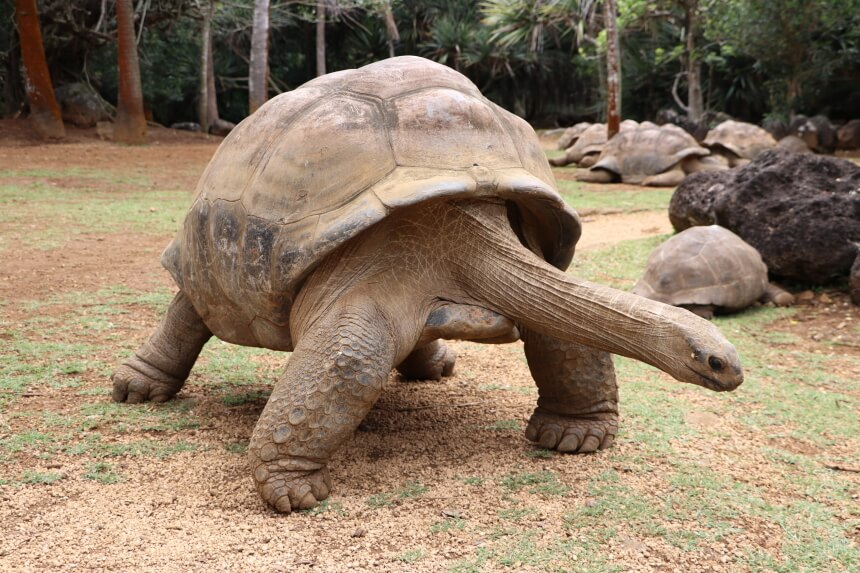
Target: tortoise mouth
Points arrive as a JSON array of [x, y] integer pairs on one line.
[[715, 384]]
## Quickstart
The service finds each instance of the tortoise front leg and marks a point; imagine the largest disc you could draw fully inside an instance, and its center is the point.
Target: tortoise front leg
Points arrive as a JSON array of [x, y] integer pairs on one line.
[[158, 370], [336, 373], [577, 407]]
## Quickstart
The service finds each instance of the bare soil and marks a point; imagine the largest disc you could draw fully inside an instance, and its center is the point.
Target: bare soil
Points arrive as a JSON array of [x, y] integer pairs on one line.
[[198, 511]]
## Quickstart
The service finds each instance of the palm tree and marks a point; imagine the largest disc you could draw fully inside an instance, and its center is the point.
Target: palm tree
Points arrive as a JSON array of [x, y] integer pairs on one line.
[[258, 74], [44, 111], [130, 126]]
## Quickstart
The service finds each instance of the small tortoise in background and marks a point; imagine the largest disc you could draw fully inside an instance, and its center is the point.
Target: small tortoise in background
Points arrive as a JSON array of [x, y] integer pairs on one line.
[[587, 144], [708, 269], [657, 156], [366, 215], [738, 142]]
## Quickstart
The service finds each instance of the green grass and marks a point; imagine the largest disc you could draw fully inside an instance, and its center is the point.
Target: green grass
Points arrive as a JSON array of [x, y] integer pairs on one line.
[[504, 426], [102, 472], [60, 214], [581, 196], [543, 483], [40, 478], [407, 491]]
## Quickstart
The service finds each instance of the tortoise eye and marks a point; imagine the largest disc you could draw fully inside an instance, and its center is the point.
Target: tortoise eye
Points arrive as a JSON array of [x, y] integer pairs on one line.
[[715, 363]]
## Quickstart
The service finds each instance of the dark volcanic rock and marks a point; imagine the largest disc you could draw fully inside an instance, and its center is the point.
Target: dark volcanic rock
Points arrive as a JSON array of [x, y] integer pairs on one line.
[[692, 203], [802, 212]]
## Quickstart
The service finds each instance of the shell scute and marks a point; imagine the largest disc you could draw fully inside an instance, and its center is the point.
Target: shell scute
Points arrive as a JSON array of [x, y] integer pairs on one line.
[[449, 130], [327, 156]]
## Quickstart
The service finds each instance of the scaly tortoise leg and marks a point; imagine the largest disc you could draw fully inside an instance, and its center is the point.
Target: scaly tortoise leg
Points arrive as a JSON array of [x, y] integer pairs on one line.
[[335, 375], [158, 370], [577, 407]]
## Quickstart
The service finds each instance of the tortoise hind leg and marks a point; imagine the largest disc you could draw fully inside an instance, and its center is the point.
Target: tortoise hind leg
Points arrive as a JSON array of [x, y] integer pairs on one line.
[[432, 361], [158, 370], [577, 407], [777, 295], [335, 375]]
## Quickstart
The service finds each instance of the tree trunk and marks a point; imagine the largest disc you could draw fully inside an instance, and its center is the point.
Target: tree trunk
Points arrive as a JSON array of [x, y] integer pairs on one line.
[[211, 95], [391, 32], [203, 97], [320, 38], [44, 111], [130, 125], [258, 76], [613, 70], [695, 103]]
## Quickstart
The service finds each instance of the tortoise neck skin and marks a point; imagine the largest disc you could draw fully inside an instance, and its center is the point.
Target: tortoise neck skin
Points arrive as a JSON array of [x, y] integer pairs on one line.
[[465, 252]]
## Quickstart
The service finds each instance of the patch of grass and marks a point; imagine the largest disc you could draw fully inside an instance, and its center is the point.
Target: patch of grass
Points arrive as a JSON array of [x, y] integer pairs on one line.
[[65, 212], [448, 524], [102, 472], [531, 550], [223, 364], [618, 266], [411, 556], [408, 490], [543, 483], [504, 426], [40, 478], [326, 506], [516, 514], [170, 416], [473, 480], [30, 441], [580, 196]]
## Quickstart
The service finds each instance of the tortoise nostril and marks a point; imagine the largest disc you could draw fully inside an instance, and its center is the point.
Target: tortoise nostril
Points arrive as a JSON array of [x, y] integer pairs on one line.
[[715, 363]]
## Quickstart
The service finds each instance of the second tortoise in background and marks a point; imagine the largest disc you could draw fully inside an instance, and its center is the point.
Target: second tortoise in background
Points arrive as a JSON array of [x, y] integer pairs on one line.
[[707, 270]]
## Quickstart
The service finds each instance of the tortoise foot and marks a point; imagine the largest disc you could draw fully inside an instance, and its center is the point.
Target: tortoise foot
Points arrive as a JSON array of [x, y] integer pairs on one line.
[[291, 490], [572, 434], [136, 381]]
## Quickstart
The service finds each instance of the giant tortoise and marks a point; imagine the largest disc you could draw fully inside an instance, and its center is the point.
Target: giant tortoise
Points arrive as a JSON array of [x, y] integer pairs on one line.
[[649, 156], [706, 270], [588, 143], [738, 142], [360, 218]]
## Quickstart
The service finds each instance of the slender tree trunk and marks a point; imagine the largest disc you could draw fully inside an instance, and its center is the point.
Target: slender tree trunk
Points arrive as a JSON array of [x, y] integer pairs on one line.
[[258, 75], [203, 108], [695, 103], [44, 111], [391, 32], [130, 125], [211, 95], [613, 70], [320, 38]]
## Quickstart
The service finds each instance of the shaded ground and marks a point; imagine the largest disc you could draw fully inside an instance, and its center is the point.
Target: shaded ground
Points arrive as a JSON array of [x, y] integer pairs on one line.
[[439, 477]]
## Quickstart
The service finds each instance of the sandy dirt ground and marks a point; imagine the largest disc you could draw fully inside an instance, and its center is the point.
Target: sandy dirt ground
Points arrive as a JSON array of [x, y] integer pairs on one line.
[[420, 487]]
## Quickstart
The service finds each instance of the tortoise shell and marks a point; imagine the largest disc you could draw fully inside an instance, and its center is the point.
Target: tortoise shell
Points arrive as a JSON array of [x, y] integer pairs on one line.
[[707, 265], [638, 153], [314, 167], [743, 139]]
